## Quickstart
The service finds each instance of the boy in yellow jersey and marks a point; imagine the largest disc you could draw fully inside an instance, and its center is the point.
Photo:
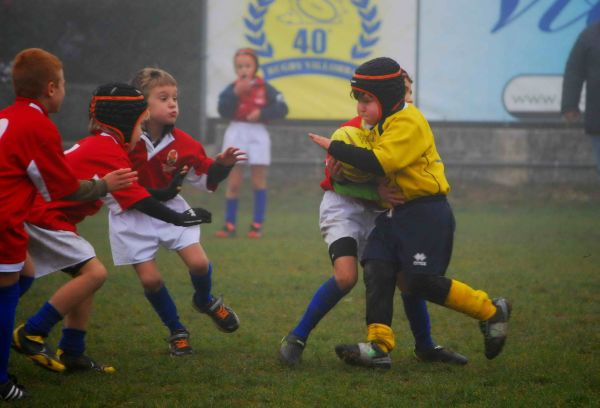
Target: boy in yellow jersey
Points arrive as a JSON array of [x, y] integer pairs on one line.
[[414, 239]]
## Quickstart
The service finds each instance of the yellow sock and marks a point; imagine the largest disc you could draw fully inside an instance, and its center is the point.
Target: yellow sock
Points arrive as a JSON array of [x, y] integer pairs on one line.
[[382, 335], [475, 303]]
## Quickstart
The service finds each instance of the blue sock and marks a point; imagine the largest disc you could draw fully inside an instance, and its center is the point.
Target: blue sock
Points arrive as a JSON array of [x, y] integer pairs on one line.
[[164, 306], [43, 321], [72, 341], [9, 297], [324, 299], [416, 312], [231, 206], [260, 206], [25, 283], [202, 285]]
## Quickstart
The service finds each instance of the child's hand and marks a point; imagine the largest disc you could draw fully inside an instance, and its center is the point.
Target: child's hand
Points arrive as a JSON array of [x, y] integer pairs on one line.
[[118, 179], [390, 195], [230, 156], [324, 142], [242, 85], [335, 169], [253, 116]]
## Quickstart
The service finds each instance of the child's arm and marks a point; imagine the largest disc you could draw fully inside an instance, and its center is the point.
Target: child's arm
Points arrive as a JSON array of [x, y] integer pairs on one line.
[[154, 208], [174, 187], [224, 162], [276, 107], [227, 102]]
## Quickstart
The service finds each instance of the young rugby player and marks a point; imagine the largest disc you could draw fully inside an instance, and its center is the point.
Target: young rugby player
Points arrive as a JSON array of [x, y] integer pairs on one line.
[[32, 161], [116, 111], [162, 151], [346, 220], [415, 238]]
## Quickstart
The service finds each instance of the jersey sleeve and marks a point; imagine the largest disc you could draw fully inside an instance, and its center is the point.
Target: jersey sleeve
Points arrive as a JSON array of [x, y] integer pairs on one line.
[[49, 170]]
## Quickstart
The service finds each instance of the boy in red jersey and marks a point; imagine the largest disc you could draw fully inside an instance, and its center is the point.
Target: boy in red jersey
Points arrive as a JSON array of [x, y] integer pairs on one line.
[[249, 102], [115, 113], [32, 161], [162, 151], [412, 240]]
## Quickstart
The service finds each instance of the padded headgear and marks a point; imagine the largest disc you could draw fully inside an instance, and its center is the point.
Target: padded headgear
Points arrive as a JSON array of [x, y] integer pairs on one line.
[[118, 107], [383, 79]]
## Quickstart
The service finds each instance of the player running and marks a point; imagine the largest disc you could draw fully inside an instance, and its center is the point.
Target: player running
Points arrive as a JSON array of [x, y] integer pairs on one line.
[[135, 238], [31, 162], [116, 111], [347, 216], [412, 240]]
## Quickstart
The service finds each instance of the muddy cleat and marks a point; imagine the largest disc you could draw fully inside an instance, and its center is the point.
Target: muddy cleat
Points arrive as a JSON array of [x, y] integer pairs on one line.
[[11, 390], [495, 329], [223, 316], [179, 343], [255, 230], [82, 363], [439, 354], [34, 348], [228, 231], [364, 354], [290, 351]]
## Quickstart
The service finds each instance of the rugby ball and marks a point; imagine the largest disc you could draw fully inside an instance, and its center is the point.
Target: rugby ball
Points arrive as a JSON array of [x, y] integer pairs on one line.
[[358, 137]]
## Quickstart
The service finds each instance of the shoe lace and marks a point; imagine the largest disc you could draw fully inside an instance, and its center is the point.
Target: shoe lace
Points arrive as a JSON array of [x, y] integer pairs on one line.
[[221, 312], [181, 343]]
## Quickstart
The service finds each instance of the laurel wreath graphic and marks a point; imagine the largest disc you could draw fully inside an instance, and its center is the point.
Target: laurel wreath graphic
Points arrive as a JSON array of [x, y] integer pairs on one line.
[[369, 23]]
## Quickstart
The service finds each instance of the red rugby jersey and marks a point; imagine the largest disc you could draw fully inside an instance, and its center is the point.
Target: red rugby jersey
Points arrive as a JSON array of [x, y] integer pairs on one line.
[[156, 164], [92, 157], [255, 98], [31, 161]]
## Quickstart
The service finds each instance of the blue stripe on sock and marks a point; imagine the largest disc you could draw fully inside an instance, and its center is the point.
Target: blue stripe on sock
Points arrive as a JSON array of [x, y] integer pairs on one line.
[[324, 299], [416, 312], [231, 206], [72, 341], [260, 206], [9, 298], [203, 286], [43, 321], [163, 304]]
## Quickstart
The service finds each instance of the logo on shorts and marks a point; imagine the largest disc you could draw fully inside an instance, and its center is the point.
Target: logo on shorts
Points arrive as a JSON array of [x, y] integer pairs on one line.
[[420, 259]]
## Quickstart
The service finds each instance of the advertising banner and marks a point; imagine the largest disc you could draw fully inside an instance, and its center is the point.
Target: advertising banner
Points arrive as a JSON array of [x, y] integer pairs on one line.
[[308, 49]]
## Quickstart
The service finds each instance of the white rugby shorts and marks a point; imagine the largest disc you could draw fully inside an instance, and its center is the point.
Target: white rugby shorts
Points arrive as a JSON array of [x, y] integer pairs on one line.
[[252, 138], [135, 237], [52, 251], [342, 216]]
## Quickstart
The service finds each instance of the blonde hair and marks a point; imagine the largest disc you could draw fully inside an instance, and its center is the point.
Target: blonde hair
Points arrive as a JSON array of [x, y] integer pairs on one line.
[[149, 78], [32, 70]]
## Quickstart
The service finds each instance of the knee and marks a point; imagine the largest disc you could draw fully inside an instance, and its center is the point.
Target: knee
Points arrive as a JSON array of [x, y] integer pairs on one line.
[[96, 274], [199, 267], [346, 278], [151, 283]]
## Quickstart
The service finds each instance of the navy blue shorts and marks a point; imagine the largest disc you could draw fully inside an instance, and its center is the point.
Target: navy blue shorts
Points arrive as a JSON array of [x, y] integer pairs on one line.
[[418, 236]]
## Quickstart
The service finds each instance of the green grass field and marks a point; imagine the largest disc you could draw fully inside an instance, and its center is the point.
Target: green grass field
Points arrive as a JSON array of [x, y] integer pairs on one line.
[[540, 249]]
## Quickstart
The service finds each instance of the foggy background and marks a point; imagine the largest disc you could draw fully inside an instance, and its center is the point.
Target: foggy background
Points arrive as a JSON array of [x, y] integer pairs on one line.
[[109, 40]]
